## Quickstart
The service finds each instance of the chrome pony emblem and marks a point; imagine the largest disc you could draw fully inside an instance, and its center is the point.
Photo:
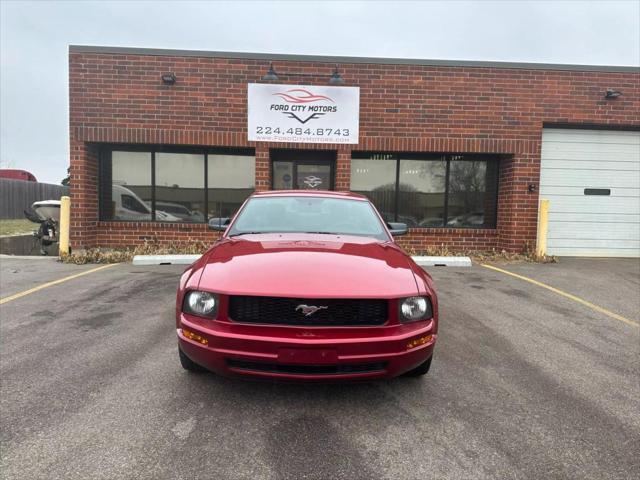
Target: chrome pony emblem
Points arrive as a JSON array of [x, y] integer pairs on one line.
[[310, 309]]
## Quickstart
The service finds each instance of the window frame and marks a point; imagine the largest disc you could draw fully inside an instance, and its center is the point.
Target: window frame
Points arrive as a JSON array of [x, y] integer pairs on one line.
[[104, 161], [449, 157]]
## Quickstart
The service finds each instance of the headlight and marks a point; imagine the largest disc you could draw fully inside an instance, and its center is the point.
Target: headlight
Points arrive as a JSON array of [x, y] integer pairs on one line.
[[415, 308], [203, 304]]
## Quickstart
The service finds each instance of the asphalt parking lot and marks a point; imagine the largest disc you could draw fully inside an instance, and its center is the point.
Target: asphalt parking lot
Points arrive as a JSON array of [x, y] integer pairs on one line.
[[525, 383]]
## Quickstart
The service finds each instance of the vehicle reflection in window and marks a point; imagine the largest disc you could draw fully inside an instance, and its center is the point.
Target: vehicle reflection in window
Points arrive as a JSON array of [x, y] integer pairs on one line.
[[129, 202], [179, 187], [130, 186]]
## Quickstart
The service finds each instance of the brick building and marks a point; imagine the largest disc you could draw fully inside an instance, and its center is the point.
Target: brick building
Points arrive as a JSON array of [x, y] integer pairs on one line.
[[159, 144]]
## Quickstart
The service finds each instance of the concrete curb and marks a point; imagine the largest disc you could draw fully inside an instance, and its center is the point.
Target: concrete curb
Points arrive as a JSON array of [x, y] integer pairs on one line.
[[189, 259], [29, 257]]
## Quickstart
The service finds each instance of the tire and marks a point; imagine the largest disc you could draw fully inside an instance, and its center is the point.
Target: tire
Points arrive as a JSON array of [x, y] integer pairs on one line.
[[189, 364], [421, 369]]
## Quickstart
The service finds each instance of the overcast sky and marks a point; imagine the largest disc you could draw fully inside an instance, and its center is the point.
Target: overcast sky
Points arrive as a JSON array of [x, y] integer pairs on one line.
[[35, 38]]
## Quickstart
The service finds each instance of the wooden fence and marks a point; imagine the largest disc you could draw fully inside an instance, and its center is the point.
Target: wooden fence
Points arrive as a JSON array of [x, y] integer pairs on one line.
[[18, 195]]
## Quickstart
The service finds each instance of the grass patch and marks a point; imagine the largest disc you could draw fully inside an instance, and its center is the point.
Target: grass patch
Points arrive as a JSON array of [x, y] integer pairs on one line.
[[16, 227], [120, 255]]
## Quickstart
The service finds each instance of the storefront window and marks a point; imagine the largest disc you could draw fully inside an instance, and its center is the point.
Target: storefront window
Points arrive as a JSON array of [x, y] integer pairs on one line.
[[422, 192], [430, 190], [180, 187], [282, 175], [167, 185], [231, 181], [128, 194], [467, 193], [375, 177]]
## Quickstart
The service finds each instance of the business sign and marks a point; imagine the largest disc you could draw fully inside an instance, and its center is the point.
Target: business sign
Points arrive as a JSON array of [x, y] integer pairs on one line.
[[303, 114]]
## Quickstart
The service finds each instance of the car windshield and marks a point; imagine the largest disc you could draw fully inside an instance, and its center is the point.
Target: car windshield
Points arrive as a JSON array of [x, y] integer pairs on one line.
[[308, 214]]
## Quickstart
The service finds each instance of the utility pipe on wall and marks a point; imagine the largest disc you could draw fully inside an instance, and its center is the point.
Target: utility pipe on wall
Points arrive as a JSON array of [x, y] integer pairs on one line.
[[65, 222]]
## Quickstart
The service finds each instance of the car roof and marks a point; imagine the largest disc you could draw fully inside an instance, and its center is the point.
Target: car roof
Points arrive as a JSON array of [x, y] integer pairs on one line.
[[310, 193]]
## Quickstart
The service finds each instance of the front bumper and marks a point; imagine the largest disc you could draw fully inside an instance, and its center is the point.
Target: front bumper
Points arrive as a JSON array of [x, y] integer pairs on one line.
[[308, 354]]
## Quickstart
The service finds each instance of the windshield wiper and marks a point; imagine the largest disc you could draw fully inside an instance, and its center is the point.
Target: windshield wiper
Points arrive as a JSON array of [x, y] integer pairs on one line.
[[325, 233]]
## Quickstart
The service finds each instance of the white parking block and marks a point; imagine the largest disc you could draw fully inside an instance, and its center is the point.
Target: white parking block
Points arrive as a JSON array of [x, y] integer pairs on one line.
[[165, 259], [442, 261], [189, 259]]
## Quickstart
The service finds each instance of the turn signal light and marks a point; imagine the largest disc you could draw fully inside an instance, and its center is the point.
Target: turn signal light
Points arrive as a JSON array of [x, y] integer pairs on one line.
[[194, 336], [416, 342]]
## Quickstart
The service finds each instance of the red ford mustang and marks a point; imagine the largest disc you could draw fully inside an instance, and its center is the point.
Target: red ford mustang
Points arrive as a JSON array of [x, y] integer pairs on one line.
[[307, 285]]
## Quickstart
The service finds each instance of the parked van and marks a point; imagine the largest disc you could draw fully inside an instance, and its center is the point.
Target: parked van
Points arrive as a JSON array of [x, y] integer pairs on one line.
[[128, 206]]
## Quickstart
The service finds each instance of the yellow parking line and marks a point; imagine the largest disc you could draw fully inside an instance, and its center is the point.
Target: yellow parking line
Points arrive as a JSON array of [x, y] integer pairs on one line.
[[51, 284], [567, 295]]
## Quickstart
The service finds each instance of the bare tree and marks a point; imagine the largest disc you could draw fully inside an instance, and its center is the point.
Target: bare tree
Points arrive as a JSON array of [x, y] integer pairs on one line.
[[467, 180]]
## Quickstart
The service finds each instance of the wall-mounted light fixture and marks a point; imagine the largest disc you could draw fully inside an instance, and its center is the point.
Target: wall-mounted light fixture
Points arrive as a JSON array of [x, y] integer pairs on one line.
[[168, 78], [611, 94], [336, 79], [273, 76]]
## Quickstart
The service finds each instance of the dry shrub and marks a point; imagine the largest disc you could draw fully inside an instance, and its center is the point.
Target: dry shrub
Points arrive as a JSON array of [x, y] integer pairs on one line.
[[119, 255], [504, 256], [103, 255], [528, 254], [431, 251]]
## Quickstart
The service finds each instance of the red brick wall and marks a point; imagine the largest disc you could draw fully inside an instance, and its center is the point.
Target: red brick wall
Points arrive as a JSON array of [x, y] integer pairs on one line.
[[83, 193], [120, 98], [125, 234]]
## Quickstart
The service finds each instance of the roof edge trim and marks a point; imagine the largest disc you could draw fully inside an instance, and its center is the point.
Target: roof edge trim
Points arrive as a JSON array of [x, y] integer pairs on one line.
[[339, 59]]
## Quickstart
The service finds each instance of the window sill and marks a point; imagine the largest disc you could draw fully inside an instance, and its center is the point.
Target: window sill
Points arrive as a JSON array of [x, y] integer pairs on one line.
[[146, 223], [462, 230]]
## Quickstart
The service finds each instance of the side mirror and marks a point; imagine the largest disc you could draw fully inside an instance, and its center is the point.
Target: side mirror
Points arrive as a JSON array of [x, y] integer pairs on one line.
[[397, 229], [219, 224]]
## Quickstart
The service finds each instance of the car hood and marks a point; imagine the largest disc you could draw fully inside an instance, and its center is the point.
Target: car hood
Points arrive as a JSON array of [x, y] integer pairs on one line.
[[308, 266]]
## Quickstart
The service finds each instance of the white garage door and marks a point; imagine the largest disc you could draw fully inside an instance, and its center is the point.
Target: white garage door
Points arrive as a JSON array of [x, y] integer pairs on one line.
[[592, 181]]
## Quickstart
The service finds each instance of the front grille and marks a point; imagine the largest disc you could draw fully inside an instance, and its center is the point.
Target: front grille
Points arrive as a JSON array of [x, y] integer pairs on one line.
[[307, 369], [291, 311]]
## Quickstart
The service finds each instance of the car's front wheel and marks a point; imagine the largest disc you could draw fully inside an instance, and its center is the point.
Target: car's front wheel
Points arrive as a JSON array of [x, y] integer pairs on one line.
[[187, 363], [421, 369]]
